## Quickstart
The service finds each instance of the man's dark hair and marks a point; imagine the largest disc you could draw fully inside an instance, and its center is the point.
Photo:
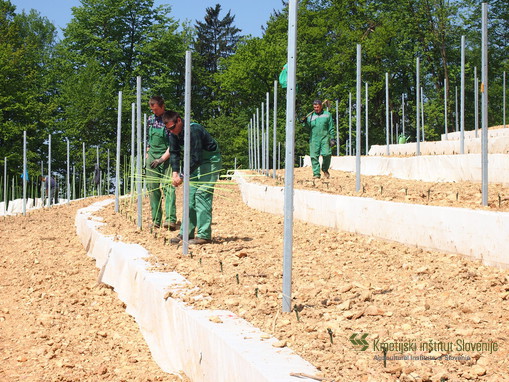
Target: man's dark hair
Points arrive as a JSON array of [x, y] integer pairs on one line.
[[170, 116], [156, 100], [317, 102]]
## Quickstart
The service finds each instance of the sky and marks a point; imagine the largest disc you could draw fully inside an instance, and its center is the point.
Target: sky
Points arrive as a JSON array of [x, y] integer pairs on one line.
[[249, 15]]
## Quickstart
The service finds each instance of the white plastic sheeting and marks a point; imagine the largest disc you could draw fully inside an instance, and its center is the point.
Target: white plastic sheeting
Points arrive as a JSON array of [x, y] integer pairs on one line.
[[179, 337], [15, 207], [477, 234], [431, 168]]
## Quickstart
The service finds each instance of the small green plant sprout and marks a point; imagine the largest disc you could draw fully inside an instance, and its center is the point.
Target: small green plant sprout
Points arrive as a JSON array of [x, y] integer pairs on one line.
[[237, 277], [256, 292], [381, 189], [329, 330], [221, 265], [297, 309]]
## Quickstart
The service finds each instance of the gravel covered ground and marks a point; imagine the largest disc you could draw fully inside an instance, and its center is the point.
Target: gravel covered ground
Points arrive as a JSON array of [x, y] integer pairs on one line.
[[56, 322], [441, 316]]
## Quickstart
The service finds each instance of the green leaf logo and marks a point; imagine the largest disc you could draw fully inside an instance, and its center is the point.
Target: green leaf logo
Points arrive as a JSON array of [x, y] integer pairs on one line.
[[359, 341]]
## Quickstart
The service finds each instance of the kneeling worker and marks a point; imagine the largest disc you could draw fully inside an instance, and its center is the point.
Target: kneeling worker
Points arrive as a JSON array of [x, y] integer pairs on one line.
[[205, 164]]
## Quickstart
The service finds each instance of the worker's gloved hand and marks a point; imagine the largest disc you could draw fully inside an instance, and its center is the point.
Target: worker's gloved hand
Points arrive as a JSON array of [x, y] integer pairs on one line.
[[156, 162], [303, 119], [332, 142]]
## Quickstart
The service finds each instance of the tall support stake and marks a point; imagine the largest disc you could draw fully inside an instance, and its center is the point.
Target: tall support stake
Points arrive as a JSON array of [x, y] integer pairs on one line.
[[267, 116], [503, 101], [49, 171], [462, 98], [274, 136], [456, 109], [84, 172], [73, 183], [249, 144], [476, 102], [366, 122], [279, 156], [387, 150], [417, 98], [263, 138], [445, 108], [358, 123], [98, 190], [133, 134], [108, 177], [258, 148], [350, 123], [5, 183], [290, 156], [484, 114], [117, 163], [68, 174], [392, 127], [139, 180], [403, 113], [337, 127], [422, 114], [187, 153], [24, 173], [144, 157]]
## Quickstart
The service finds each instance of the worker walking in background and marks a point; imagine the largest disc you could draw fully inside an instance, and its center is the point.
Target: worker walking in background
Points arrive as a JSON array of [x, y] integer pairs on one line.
[[53, 190], [205, 165], [321, 138], [158, 175]]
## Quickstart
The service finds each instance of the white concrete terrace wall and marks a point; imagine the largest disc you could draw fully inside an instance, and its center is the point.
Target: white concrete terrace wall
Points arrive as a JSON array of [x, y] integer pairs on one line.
[[492, 133], [496, 145], [430, 168], [179, 337], [477, 234]]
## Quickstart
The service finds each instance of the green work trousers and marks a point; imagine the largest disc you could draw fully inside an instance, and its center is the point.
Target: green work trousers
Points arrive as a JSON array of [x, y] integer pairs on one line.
[[317, 147], [201, 193], [157, 178]]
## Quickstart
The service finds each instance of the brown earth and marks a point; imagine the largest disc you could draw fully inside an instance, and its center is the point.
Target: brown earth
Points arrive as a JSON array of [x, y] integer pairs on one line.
[[56, 322], [343, 284]]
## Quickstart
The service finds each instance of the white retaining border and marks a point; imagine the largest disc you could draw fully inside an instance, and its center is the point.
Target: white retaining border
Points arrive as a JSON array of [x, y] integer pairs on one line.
[[180, 337], [498, 145], [477, 234], [430, 168]]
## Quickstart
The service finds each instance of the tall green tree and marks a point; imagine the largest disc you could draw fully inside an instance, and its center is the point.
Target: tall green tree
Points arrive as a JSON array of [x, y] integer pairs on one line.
[[216, 39], [26, 45], [107, 44]]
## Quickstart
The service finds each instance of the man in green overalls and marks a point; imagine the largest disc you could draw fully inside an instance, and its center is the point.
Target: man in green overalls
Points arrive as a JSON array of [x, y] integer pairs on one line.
[[321, 138], [158, 174], [205, 164]]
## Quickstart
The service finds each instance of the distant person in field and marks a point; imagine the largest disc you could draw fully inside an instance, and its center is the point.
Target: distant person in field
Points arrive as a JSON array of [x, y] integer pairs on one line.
[[157, 174], [53, 190], [205, 165], [321, 138]]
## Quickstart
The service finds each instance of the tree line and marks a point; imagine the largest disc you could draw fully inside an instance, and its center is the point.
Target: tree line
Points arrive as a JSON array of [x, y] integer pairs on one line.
[[68, 86]]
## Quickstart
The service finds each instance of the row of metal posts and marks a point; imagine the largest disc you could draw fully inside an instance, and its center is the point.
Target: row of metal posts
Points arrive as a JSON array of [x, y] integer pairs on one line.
[[68, 185], [290, 137], [258, 148]]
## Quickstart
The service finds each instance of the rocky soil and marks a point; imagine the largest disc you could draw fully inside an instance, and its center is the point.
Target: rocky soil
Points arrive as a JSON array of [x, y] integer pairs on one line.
[[433, 316], [56, 322]]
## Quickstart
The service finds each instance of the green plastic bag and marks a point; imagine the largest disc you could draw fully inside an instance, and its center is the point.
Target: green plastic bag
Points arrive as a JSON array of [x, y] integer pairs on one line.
[[283, 77]]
